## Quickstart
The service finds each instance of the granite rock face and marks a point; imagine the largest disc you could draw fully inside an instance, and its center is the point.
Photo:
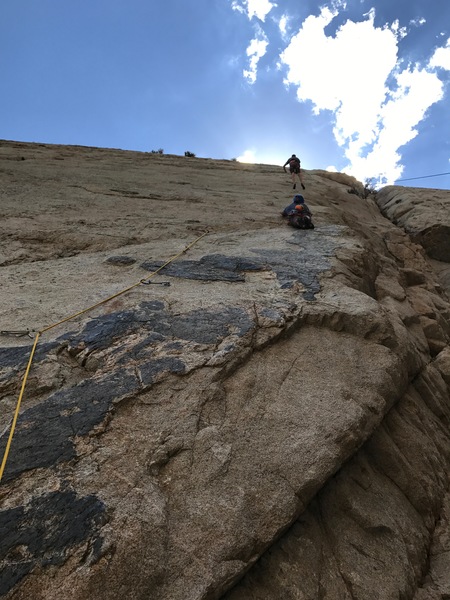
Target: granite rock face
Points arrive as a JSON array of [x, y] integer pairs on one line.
[[423, 213], [220, 406]]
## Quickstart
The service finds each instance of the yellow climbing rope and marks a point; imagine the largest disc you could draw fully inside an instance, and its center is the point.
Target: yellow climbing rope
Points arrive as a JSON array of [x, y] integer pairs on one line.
[[81, 312], [16, 412]]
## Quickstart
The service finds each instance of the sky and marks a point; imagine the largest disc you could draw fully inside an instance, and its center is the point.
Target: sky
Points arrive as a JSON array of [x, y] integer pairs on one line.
[[356, 86]]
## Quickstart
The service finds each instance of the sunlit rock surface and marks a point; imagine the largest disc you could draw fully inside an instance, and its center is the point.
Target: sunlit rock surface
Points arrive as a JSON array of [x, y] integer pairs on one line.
[[265, 417]]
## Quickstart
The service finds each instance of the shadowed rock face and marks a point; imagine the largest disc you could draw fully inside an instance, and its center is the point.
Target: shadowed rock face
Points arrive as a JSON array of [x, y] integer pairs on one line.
[[373, 520], [424, 214], [270, 422]]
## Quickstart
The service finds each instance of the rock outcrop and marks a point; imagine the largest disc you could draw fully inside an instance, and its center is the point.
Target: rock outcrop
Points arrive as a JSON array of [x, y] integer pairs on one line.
[[423, 214], [266, 416]]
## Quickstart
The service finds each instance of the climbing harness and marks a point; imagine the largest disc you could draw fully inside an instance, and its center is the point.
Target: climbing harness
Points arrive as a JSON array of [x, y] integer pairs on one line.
[[144, 281]]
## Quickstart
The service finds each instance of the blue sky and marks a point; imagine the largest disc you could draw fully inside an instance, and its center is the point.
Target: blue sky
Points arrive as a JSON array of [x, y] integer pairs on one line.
[[361, 86]]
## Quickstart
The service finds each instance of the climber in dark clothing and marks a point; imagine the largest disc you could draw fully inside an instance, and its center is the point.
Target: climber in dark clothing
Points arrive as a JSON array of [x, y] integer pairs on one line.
[[295, 170], [297, 199], [298, 213], [300, 217]]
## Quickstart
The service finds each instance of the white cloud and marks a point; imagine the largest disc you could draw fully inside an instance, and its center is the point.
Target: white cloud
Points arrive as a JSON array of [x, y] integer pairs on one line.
[[255, 51], [337, 4], [282, 24], [261, 156], [348, 74], [441, 57], [236, 6], [418, 22], [417, 90], [258, 46], [253, 8], [247, 157], [400, 32]]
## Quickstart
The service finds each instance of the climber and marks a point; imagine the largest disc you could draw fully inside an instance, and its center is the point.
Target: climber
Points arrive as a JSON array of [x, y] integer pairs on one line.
[[301, 217], [297, 199], [294, 169]]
